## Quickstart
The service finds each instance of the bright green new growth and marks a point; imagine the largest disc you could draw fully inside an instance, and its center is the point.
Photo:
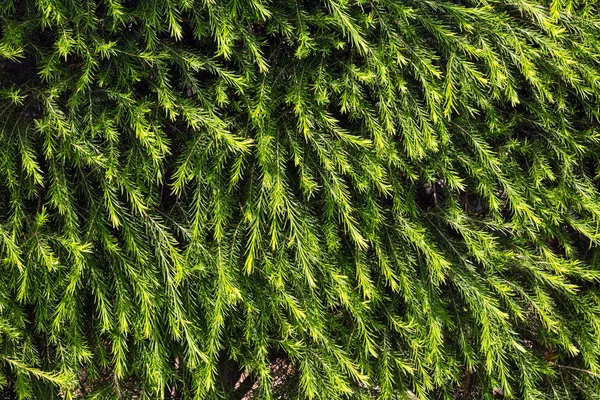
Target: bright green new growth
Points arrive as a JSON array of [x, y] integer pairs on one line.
[[385, 198]]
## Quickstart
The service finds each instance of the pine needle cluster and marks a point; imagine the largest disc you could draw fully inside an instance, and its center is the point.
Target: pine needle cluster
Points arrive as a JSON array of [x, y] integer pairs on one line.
[[392, 199]]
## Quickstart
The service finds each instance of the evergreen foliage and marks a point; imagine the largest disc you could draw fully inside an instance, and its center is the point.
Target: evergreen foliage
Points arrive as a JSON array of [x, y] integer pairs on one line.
[[387, 198]]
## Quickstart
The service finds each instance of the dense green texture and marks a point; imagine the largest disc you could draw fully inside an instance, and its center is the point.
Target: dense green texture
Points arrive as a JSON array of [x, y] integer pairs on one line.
[[386, 196]]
